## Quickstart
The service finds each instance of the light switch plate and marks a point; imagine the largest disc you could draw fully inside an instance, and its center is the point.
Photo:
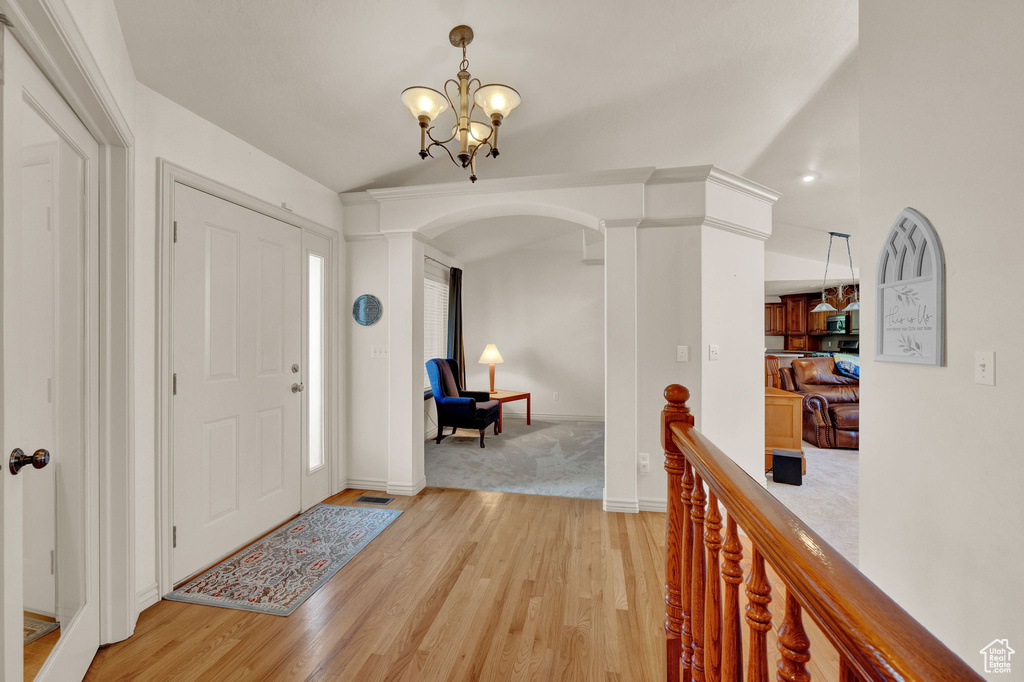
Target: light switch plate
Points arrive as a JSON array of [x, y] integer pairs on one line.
[[985, 367], [713, 352], [379, 351], [682, 353], [645, 463]]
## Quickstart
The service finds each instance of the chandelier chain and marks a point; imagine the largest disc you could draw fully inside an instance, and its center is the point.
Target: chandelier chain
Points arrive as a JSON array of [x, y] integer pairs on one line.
[[849, 255]]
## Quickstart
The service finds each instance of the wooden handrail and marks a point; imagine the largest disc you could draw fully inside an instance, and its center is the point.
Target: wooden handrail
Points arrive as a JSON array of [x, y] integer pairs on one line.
[[876, 639]]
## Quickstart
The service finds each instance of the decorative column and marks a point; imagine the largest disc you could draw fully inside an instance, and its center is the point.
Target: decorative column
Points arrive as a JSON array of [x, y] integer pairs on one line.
[[620, 395], [405, 364]]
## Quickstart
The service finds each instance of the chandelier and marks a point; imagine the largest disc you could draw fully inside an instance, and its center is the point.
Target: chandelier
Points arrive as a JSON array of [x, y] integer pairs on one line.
[[494, 99], [825, 306]]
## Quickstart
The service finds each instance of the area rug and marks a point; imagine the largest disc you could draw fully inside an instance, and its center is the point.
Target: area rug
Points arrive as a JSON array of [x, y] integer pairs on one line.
[[35, 628], [277, 573], [559, 459], [828, 500]]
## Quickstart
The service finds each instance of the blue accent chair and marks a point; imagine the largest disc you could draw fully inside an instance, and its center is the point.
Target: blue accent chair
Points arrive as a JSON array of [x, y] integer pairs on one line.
[[457, 408]]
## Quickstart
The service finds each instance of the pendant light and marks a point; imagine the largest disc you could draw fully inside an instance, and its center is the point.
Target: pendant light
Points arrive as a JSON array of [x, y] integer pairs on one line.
[[468, 136], [855, 305], [825, 306]]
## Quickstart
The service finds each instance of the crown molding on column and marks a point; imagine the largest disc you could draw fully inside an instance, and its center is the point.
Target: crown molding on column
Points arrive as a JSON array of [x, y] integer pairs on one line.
[[620, 222], [712, 174]]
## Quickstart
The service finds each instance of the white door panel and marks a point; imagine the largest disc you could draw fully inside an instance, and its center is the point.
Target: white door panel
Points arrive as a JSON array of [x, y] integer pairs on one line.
[[236, 421], [49, 517]]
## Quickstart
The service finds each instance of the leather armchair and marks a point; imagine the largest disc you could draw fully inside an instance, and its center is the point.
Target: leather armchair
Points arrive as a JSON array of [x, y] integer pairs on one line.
[[457, 408], [831, 404]]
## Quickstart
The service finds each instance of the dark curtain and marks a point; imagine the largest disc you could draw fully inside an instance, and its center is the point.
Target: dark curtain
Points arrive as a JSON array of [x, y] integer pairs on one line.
[[456, 349]]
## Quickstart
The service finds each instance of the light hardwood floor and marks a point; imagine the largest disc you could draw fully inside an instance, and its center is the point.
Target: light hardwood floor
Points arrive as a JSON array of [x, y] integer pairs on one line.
[[465, 585]]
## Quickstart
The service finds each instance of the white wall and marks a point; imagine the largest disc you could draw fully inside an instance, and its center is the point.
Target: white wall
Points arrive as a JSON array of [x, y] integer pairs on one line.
[[732, 317], [942, 91], [168, 130], [367, 396], [544, 309]]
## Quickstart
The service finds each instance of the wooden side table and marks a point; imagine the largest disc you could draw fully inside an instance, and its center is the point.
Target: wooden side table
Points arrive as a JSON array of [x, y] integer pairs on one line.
[[783, 424], [508, 396]]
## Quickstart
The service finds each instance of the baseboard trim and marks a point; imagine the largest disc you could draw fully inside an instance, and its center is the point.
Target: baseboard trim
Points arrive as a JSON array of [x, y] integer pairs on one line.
[[624, 506], [406, 489], [147, 596], [554, 417], [377, 485], [653, 504]]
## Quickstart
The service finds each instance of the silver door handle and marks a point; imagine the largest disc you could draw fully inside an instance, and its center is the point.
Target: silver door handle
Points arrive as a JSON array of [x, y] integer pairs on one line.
[[297, 388]]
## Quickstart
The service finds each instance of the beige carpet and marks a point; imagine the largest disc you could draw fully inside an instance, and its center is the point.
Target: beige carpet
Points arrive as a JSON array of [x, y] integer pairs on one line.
[[828, 500]]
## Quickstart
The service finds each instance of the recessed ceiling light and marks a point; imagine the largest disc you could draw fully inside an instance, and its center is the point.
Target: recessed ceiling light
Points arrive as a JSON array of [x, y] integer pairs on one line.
[[811, 176]]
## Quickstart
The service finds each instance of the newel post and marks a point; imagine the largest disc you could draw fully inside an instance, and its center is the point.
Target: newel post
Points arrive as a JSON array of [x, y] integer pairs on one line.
[[674, 412]]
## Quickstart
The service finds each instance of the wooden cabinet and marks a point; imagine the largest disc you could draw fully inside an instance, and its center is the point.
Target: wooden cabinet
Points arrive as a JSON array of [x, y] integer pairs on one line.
[[774, 319], [783, 424], [818, 322], [796, 314]]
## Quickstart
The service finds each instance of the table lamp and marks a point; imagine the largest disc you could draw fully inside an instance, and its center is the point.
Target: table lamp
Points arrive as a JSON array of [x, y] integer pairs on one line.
[[491, 357]]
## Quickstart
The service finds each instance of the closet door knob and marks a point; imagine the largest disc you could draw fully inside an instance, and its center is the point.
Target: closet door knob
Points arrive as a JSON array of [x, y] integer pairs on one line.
[[19, 459], [297, 388]]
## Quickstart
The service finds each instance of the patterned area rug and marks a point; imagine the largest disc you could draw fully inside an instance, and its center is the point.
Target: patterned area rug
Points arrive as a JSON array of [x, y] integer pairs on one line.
[[560, 459], [276, 574], [35, 628]]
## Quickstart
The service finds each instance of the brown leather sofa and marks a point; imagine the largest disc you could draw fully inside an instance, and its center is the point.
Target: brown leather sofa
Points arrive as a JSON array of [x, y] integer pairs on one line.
[[831, 402]]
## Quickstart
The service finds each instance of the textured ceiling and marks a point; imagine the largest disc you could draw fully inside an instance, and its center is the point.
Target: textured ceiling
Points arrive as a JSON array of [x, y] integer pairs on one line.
[[764, 89]]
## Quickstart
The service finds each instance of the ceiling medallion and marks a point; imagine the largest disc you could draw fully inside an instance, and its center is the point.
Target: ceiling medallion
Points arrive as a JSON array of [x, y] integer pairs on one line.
[[494, 99]]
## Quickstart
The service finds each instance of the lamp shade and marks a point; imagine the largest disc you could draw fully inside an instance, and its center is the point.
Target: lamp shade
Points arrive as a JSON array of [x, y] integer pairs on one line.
[[823, 307], [496, 98], [853, 306], [423, 101], [478, 133], [490, 356]]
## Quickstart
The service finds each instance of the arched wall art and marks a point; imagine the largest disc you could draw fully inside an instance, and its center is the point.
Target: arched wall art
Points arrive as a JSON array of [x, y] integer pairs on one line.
[[910, 317]]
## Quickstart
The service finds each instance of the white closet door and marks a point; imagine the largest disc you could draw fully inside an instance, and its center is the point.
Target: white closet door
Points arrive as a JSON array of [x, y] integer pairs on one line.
[[236, 352]]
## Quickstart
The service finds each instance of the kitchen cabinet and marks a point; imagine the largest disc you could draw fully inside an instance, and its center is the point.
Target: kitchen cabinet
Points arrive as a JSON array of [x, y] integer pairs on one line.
[[796, 314], [818, 322], [774, 319]]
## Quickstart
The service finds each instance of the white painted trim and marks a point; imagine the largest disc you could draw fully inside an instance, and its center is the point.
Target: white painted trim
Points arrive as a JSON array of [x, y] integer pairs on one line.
[[712, 174], [365, 237], [553, 417], [407, 489], [623, 176], [622, 506], [375, 484], [741, 230], [147, 596], [47, 31], [168, 174], [653, 504]]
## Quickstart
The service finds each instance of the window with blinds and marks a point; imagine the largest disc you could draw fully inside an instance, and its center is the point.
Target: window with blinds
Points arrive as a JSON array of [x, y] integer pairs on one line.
[[435, 315]]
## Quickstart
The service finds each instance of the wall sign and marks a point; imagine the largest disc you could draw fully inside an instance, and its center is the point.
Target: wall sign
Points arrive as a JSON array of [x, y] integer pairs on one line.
[[910, 298], [367, 309]]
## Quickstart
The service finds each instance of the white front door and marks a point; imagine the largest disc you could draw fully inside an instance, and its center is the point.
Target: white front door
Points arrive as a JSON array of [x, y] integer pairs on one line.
[[236, 354], [49, 516]]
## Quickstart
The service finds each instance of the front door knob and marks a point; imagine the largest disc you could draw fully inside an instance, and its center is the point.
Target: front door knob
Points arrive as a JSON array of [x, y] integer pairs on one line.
[[297, 388], [19, 459]]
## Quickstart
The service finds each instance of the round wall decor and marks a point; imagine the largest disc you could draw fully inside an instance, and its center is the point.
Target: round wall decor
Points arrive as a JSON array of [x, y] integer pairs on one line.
[[367, 309]]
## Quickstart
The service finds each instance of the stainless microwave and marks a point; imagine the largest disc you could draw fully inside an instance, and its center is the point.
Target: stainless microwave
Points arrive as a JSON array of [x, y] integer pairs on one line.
[[836, 324]]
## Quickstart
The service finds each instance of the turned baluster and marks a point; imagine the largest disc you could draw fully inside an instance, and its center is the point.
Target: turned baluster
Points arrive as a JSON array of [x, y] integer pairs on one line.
[[759, 618], [713, 594], [732, 574], [697, 580], [686, 637], [678, 519], [793, 644]]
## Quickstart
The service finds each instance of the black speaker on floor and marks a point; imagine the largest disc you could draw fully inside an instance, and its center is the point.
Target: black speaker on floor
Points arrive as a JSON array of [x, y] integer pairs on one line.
[[787, 466]]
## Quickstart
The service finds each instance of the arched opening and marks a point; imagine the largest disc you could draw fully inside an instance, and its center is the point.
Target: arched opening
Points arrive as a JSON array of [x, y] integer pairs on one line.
[[533, 286]]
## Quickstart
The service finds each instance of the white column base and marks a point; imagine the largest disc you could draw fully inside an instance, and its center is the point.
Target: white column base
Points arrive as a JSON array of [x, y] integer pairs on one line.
[[624, 506], [407, 488]]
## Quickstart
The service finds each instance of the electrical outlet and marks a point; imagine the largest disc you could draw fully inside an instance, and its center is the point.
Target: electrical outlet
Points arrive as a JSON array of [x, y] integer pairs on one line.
[[554, 396], [682, 353], [985, 367], [645, 463], [379, 351], [713, 352]]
